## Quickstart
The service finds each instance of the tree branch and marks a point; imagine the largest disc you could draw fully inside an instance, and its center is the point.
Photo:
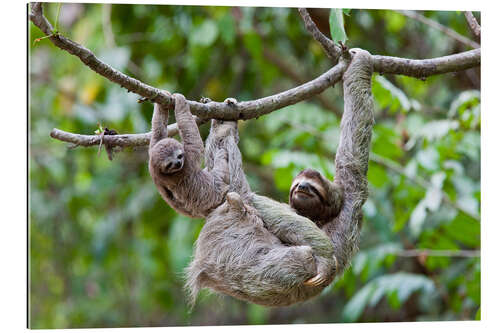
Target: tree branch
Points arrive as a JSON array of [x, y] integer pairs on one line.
[[242, 110], [473, 25], [427, 67], [332, 51], [119, 140], [89, 59], [438, 26], [262, 106], [289, 71]]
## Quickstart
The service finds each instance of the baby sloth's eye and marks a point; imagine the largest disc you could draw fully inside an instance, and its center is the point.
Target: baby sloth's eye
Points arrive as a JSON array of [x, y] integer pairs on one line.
[[181, 155]]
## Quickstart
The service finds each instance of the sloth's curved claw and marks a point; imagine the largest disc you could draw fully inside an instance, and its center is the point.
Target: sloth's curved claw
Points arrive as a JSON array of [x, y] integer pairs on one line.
[[315, 281]]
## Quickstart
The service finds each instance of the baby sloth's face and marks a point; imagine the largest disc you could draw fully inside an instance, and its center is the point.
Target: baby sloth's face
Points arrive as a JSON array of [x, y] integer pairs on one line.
[[168, 155], [173, 162]]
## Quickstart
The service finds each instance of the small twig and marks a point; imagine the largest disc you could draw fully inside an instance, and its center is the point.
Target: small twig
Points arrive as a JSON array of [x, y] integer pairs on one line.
[[333, 51], [438, 26], [473, 25]]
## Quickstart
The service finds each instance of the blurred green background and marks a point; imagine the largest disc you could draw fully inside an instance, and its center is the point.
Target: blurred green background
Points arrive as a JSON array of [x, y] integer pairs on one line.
[[106, 250]]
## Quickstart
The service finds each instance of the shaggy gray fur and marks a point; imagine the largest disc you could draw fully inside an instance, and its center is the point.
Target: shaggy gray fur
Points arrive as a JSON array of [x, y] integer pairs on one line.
[[241, 251], [236, 254], [188, 189], [254, 248], [259, 250], [352, 157]]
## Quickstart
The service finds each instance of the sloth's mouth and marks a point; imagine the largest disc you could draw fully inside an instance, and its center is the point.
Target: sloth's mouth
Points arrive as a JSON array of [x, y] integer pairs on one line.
[[302, 193], [173, 168], [177, 167]]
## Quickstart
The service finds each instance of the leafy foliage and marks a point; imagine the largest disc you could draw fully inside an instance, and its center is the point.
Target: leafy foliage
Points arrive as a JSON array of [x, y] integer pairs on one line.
[[105, 250], [337, 25]]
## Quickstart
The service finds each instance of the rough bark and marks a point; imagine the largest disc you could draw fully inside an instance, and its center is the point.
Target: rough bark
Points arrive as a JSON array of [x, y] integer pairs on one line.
[[474, 26]]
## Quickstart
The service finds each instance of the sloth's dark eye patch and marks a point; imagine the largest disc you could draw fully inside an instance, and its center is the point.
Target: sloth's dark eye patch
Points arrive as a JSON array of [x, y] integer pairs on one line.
[[317, 193], [180, 156], [169, 165]]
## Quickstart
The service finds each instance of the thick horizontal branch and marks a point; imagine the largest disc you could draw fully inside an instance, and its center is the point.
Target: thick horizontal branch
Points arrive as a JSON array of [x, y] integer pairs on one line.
[[427, 67], [242, 110], [259, 107], [119, 140], [265, 105], [289, 71]]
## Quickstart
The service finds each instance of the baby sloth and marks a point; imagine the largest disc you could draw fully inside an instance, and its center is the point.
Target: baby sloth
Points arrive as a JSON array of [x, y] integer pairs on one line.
[[176, 167], [315, 197]]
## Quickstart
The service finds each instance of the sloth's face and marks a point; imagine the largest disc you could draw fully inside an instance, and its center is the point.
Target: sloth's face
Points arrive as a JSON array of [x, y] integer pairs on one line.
[[173, 163], [168, 156], [308, 194]]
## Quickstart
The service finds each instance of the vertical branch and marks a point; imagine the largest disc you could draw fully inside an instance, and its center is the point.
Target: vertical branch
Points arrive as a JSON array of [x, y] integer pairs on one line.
[[352, 156], [474, 26], [332, 51]]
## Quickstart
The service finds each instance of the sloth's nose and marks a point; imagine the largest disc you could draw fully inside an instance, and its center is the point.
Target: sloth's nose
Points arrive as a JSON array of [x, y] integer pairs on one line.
[[303, 186], [177, 164]]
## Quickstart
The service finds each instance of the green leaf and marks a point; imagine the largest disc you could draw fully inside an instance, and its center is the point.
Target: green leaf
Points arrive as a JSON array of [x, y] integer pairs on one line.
[[337, 25], [389, 96], [466, 97], [400, 284], [357, 304]]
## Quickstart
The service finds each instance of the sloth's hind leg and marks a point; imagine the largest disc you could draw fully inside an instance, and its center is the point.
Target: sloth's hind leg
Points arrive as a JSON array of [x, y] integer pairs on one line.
[[284, 268]]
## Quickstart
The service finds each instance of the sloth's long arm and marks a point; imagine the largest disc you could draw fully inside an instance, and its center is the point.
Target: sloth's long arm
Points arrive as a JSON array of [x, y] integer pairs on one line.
[[158, 124], [351, 160], [188, 130]]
